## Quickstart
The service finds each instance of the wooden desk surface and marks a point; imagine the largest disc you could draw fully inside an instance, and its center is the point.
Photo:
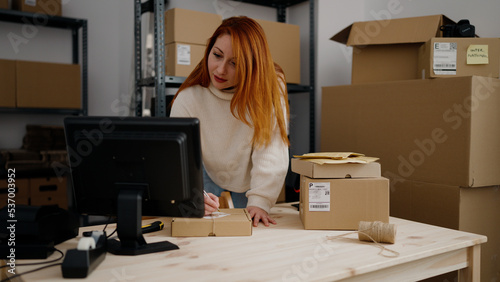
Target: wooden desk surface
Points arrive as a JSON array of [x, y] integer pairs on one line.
[[287, 252]]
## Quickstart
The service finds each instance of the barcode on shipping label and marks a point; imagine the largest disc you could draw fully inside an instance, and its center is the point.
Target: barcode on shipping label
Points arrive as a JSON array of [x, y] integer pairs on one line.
[[183, 54], [319, 196], [444, 61]]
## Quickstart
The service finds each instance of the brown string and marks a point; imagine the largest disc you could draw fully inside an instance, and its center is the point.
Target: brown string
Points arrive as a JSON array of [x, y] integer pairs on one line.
[[383, 233]]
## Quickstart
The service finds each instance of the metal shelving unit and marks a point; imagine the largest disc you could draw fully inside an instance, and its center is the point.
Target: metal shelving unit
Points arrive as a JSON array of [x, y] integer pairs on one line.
[[75, 25], [160, 81]]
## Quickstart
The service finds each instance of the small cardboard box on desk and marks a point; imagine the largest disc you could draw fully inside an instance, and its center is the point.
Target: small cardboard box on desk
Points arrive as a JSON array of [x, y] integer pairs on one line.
[[226, 222], [338, 190]]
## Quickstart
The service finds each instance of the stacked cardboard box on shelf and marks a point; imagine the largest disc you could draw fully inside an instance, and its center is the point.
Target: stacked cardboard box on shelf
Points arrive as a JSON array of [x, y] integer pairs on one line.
[[339, 196], [186, 36], [47, 7], [28, 84], [437, 137], [187, 33]]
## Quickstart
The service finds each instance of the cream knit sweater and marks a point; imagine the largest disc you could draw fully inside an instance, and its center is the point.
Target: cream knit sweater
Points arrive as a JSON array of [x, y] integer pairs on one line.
[[228, 155]]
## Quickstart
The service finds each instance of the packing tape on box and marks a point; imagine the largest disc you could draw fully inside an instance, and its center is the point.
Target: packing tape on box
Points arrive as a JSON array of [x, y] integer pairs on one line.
[[376, 232]]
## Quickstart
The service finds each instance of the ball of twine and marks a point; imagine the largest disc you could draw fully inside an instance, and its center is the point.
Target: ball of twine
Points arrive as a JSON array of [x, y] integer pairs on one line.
[[377, 231]]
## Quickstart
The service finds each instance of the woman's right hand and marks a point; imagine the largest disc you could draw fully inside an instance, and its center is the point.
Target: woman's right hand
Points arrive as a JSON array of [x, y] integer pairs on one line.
[[211, 203]]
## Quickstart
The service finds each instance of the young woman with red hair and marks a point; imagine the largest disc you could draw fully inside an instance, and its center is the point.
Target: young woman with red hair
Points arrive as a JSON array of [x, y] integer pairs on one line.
[[238, 93]]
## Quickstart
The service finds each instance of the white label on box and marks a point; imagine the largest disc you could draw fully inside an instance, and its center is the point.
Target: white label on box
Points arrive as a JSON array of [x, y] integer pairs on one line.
[[445, 58], [183, 54], [30, 2], [319, 196]]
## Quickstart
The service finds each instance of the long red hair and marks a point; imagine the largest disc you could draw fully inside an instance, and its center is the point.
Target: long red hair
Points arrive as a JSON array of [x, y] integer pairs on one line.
[[260, 97]]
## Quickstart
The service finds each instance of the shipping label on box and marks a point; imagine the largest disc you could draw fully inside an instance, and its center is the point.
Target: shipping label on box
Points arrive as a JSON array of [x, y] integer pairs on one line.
[[340, 204], [182, 58], [227, 222], [347, 170]]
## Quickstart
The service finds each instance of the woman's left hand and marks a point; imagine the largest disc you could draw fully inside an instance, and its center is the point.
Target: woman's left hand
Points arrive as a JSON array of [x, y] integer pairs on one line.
[[259, 214]]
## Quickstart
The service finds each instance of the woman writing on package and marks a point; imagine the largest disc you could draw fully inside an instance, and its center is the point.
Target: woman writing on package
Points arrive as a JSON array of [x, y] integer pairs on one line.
[[239, 96]]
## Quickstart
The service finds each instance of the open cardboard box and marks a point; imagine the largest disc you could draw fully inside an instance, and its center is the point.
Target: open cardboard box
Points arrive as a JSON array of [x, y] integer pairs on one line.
[[387, 50], [237, 222]]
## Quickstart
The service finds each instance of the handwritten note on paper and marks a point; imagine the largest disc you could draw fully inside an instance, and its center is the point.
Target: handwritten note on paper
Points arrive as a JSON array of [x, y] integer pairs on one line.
[[477, 55]]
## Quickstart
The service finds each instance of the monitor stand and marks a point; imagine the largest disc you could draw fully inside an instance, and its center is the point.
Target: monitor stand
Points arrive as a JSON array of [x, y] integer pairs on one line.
[[129, 223]]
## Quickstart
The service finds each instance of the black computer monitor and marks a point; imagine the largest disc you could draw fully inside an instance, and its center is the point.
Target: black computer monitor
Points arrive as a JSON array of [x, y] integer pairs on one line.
[[131, 167]]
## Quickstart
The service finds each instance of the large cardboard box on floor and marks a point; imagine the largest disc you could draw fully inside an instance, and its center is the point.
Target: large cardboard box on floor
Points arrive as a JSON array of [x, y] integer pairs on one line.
[[48, 85], [188, 26], [473, 210], [348, 170], [229, 222], [7, 83], [182, 58], [386, 50], [443, 130], [284, 44], [448, 57], [48, 7], [340, 204]]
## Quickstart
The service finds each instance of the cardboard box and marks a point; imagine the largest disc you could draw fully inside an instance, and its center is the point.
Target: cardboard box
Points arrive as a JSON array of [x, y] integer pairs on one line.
[[443, 130], [4, 4], [237, 223], [387, 50], [340, 204], [181, 58], [48, 85], [473, 210], [445, 57], [48, 7], [53, 186], [284, 44], [314, 170], [21, 192], [187, 26], [7, 83]]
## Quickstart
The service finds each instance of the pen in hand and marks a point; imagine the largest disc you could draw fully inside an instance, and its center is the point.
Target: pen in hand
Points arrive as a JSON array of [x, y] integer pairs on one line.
[[206, 194]]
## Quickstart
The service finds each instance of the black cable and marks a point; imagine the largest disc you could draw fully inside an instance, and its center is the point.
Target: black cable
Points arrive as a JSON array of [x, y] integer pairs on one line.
[[31, 271], [36, 263]]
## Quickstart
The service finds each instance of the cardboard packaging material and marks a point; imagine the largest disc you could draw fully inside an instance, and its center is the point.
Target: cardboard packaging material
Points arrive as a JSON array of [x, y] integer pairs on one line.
[[340, 204], [48, 7], [188, 26], [472, 210], [445, 57], [49, 191], [20, 195], [182, 58], [7, 83], [284, 44], [236, 222], [443, 130], [349, 170], [48, 85], [4, 4], [387, 50]]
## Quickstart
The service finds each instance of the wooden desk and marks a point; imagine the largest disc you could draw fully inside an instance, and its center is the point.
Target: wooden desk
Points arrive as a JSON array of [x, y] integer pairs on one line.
[[287, 252]]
